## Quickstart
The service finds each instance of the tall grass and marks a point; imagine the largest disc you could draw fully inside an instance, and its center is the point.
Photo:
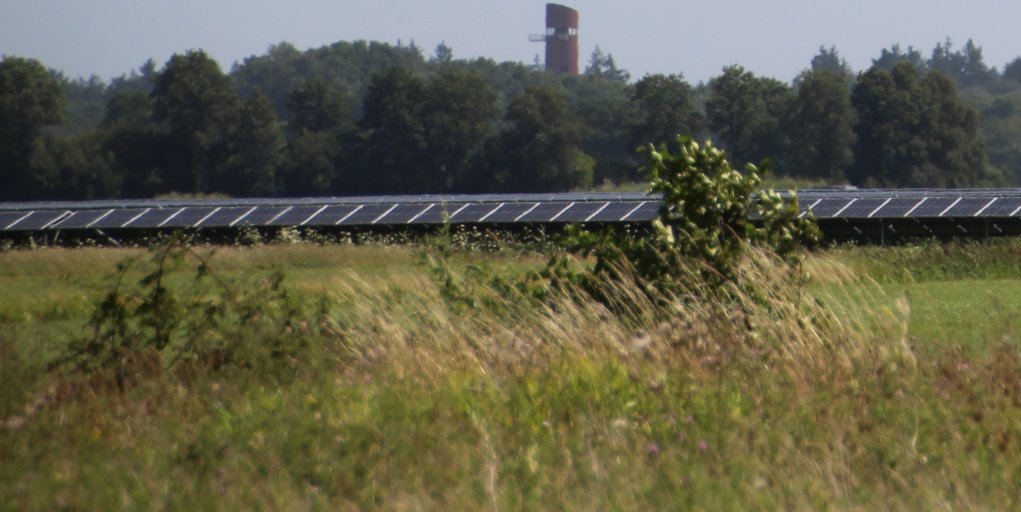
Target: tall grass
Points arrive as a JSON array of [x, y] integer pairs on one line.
[[786, 398]]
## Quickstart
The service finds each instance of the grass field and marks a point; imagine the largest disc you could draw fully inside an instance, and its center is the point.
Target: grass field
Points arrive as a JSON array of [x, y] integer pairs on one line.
[[892, 381]]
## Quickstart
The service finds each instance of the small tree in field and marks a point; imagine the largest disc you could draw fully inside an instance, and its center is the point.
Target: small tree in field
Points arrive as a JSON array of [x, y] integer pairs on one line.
[[710, 217], [711, 213]]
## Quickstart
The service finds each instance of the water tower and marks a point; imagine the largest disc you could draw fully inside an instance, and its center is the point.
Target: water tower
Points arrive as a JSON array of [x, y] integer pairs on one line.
[[561, 39]]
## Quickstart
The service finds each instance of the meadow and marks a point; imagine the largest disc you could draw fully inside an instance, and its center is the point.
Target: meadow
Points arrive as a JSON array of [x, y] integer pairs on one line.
[[343, 377]]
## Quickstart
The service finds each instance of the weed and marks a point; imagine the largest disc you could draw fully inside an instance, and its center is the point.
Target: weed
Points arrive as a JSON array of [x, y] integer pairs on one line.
[[167, 319]]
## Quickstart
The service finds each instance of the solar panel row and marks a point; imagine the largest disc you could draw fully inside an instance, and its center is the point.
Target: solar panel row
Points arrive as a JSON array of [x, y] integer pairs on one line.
[[332, 215], [849, 205], [911, 207]]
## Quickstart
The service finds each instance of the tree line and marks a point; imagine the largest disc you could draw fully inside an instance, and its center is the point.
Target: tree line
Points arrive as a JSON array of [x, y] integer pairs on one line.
[[372, 118]]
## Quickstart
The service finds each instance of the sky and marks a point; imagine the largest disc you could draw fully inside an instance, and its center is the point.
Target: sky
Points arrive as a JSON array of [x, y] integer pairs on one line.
[[697, 39]]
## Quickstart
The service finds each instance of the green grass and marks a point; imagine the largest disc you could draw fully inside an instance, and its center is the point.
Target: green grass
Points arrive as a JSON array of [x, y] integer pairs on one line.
[[964, 294], [902, 391]]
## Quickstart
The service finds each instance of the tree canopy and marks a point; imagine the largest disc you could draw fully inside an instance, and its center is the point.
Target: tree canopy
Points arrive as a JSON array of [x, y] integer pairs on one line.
[[30, 100], [374, 118], [914, 130], [746, 112]]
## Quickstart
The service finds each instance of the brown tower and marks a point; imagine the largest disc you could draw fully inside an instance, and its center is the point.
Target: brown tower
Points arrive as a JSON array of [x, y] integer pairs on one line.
[[561, 39]]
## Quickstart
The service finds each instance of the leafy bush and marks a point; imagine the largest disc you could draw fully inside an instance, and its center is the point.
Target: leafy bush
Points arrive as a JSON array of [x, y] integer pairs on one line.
[[169, 318], [710, 215]]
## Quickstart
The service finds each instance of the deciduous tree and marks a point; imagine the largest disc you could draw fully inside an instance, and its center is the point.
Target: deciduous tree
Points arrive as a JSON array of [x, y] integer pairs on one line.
[[198, 106], [746, 112], [460, 114], [665, 110], [914, 130], [394, 135], [320, 119], [541, 150], [30, 100], [256, 151], [820, 127]]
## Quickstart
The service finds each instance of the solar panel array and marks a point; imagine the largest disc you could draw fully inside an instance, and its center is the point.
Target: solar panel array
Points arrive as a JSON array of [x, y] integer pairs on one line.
[[353, 212], [912, 206], [856, 212]]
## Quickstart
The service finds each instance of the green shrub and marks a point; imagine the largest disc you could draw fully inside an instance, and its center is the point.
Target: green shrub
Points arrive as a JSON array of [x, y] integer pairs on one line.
[[179, 313], [711, 214]]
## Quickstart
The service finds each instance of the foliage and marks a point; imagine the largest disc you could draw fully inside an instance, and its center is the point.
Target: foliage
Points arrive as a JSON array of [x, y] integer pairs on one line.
[[167, 320], [820, 126], [913, 129], [443, 54], [605, 107], [189, 127], [320, 120], [746, 112], [567, 406], [30, 100], [311, 166], [347, 65], [394, 133], [828, 59], [710, 215], [78, 167], [255, 153], [136, 144], [405, 404], [1001, 126], [540, 150], [889, 58], [966, 67], [460, 116], [84, 105], [317, 106], [196, 104], [666, 109], [603, 66], [1012, 70]]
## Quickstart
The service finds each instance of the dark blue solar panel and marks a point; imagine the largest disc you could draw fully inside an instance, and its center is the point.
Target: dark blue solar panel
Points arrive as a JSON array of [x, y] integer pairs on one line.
[[187, 217], [153, 218], [616, 211], [81, 219], [224, 217], [933, 206], [545, 212], [437, 214], [294, 216], [1003, 207], [968, 207], [580, 212], [898, 207], [329, 216], [645, 212], [37, 220], [366, 214], [473, 212], [260, 216], [509, 212], [8, 218], [404, 213], [117, 218], [889, 204], [862, 208], [830, 207], [804, 204]]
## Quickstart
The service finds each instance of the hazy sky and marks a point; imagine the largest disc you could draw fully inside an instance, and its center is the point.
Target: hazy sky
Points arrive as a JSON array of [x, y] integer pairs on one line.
[[775, 38]]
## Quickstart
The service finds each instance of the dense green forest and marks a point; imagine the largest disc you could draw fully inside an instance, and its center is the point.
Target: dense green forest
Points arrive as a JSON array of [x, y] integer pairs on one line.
[[374, 118]]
